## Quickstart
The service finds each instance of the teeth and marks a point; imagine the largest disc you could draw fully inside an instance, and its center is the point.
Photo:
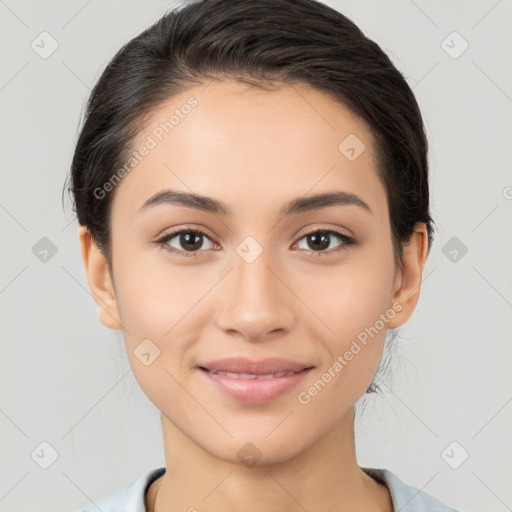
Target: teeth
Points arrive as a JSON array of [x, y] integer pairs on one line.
[[254, 376]]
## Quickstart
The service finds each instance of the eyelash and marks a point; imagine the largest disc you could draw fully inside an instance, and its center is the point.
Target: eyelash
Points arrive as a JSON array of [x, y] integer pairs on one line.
[[161, 242]]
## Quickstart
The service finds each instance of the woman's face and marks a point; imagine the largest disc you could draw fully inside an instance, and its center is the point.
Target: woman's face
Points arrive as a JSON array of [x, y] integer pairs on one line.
[[261, 283]]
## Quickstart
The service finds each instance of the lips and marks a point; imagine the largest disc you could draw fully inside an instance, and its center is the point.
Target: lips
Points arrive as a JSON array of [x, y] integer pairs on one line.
[[234, 375], [254, 382], [245, 368]]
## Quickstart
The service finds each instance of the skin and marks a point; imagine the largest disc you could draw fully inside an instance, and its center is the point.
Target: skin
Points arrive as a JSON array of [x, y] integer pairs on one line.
[[255, 150]]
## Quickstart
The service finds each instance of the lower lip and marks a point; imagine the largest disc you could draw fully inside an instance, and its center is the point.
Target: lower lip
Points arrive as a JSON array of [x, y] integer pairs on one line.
[[255, 391]]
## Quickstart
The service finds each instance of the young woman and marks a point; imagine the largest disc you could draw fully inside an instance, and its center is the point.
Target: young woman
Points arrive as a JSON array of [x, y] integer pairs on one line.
[[251, 183]]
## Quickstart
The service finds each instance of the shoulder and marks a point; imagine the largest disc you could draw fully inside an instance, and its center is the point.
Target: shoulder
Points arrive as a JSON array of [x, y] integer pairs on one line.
[[129, 499], [405, 497]]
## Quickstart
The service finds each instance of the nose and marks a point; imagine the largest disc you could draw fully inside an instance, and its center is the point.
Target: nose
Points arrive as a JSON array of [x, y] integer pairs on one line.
[[255, 301]]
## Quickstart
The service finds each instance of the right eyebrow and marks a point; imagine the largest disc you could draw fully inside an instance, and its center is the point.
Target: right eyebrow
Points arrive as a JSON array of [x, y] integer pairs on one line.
[[189, 200]]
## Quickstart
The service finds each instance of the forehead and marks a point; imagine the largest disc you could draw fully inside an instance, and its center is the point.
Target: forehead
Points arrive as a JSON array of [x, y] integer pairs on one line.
[[226, 138]]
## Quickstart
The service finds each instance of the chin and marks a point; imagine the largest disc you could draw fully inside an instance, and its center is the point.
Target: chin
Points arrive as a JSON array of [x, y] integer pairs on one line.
[[258, 452]]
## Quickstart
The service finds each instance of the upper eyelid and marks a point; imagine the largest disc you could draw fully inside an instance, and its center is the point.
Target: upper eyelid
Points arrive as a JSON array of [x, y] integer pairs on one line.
[[331, 230], [203, 231], [302, 233]]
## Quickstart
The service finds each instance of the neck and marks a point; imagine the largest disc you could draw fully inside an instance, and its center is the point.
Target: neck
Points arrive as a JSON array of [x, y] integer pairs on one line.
[[323, 477]]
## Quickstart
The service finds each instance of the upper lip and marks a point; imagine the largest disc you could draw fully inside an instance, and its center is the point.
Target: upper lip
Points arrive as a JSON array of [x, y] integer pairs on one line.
[[245, 365]]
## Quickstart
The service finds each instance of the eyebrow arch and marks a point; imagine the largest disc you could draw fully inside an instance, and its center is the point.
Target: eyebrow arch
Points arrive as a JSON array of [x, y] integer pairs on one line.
[[319, 201], [301, 204]]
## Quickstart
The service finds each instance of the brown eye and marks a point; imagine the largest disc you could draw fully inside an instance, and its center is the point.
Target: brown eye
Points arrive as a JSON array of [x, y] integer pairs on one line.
[[186, 242], [320, 240]]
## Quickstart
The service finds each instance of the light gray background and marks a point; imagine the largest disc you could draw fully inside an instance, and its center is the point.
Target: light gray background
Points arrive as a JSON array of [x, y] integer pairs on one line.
[[65, 377]]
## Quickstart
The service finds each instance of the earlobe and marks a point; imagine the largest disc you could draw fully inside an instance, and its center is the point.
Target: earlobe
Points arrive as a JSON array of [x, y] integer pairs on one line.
[[99, 280], [408, 282]]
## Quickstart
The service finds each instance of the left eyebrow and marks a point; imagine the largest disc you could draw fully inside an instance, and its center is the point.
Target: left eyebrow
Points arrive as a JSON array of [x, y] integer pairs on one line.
[[319, 201], [299, 205]]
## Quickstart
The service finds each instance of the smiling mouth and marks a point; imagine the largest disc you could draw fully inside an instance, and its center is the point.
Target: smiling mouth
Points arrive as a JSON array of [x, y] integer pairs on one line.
[[255, 388], [234, 375]]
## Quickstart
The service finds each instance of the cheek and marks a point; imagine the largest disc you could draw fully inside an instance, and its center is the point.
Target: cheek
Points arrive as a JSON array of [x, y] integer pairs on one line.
[[350, 298], [352, 352], [355, 302], [162, 311], [153, 297], [154, 312]]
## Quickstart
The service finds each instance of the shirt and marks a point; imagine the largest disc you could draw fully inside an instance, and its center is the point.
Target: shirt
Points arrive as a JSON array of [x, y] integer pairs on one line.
[[405, 498]]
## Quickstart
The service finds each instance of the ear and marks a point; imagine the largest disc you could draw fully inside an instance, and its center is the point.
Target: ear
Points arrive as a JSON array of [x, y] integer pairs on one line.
[[99, 279], [406, 290]]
